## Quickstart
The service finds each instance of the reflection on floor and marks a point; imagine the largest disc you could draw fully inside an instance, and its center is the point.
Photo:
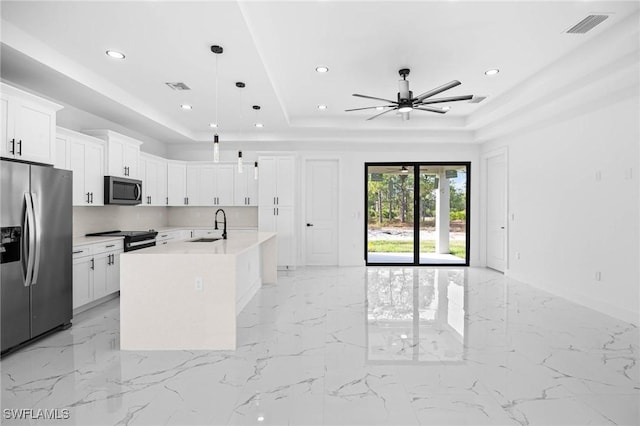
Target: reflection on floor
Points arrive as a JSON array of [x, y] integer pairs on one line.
[[351, 346], [425, 258]]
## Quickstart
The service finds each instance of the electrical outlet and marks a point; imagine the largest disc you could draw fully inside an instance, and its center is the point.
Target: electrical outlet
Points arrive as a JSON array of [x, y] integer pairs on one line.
[[598, 276], [199, 284]]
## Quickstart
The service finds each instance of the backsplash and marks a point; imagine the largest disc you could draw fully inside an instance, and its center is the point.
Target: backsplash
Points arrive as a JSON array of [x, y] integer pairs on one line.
[[237, 217], [125, 218]]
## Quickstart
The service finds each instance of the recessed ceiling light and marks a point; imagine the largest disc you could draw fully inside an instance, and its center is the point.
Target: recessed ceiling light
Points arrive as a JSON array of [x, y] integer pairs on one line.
[[213, 125], [379, 108], [115, 54], [447, 108], [492, 71], [186, 106], [261, 418], [322, 69], [322, 107], [259, 125], [403, 336]]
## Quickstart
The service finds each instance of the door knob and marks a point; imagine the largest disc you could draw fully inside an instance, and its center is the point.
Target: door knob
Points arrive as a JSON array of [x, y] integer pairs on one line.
[[309, 224]]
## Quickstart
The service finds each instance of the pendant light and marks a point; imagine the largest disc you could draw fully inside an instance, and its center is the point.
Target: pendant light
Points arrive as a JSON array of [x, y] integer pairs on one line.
[[216, 140], [240, 85], [255, 170], [257, 123]]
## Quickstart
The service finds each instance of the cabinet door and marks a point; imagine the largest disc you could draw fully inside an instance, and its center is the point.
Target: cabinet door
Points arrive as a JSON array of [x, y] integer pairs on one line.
[[6, 129], [267, 192], [100, 275], [94, 173], [267, 219], [113, 272], [145, 181], [161, 185], [193, 184], [240, 189], [62, 153], [77, 164], [285, 237], [131, 159], [207, 194], [224, 186], [82, 281], [285, 181], [35, 128], [252, 189], [116, 158], [176, 184]]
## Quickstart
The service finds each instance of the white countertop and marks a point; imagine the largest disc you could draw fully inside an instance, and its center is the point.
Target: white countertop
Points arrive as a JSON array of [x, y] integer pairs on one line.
[[82, 241], [237, 242]]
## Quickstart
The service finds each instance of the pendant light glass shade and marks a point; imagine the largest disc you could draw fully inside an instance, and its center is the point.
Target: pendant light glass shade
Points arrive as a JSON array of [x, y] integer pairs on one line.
[[216, 149], [255, 170], [239, 161]]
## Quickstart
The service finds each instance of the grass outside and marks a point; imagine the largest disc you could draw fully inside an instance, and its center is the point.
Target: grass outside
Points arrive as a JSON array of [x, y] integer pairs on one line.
[[457, 248]]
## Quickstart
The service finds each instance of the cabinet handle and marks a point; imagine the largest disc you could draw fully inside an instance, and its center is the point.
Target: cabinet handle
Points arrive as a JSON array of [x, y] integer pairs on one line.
[[109, 259], [274, 200], [167, 202], [78, 251], [92, 198], [88, 197], [164, 242], [20, 147], [274, 211], [93, 264], [13, 146], [277, 200], [110, 245], [277, 211], [248, 200], [113, 259], [162, 236]]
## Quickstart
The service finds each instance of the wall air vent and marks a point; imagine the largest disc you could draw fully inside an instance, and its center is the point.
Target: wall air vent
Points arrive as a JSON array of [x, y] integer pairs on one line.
[[178, 86], [477, 99], [587, 24]]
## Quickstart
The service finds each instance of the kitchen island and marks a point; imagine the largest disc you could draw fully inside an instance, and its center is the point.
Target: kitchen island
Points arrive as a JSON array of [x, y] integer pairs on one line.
[[187, 294]]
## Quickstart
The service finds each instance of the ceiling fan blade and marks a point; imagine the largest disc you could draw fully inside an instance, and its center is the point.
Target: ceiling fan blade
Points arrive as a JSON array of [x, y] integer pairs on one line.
[[383, 112], [377, 99], [439, 111], [358, 109], [433, 92], [451, 99]]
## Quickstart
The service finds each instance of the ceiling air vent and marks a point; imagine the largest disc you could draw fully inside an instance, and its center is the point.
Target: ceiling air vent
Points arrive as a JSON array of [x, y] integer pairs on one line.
[[477, 99], [587, 24], [178, 86]]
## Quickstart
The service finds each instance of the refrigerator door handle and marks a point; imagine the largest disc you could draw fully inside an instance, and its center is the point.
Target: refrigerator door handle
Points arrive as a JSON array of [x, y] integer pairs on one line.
[[31, 236], [36, 262]]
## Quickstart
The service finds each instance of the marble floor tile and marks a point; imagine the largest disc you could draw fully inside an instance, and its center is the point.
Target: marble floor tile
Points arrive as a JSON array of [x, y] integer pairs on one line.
[[349, 346]]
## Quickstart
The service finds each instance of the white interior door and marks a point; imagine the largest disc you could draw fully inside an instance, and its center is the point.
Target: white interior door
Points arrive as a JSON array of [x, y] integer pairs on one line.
[[321, 212], [496, 212]]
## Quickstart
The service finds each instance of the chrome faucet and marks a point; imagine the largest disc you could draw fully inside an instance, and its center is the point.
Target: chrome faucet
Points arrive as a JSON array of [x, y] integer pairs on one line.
[[215, 222]]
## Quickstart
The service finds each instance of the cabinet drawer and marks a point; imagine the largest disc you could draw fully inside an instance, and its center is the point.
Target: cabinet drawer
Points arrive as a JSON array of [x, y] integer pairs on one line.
[[116, 245], [82, 251]]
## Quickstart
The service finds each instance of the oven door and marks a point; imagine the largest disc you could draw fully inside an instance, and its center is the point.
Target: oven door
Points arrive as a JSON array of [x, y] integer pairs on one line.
[[137, 245], [122, 191]]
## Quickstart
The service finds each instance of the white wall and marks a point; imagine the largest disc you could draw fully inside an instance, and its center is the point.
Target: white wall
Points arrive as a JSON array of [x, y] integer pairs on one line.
[[237, 217], [574, 196]]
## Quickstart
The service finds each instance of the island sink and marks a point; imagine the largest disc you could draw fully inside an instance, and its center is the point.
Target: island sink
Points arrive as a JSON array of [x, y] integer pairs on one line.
[[205, 240]]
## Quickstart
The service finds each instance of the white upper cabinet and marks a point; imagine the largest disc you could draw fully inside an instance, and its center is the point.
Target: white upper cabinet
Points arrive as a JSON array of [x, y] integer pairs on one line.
[[210, 184], [246, 188], [84, 156], [176, 183], [276, 180], [28, 126], [123, 153], [153, 173]]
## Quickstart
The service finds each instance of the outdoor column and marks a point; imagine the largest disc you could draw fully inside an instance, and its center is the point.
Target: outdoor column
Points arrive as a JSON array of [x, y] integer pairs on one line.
[[442, 213]]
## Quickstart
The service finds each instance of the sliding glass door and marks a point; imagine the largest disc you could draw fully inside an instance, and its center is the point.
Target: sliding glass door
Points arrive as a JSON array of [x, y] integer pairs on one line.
[[417, 213]]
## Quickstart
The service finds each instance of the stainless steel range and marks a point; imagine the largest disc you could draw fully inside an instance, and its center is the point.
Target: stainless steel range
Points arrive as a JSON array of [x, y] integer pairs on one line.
[[133, 240]]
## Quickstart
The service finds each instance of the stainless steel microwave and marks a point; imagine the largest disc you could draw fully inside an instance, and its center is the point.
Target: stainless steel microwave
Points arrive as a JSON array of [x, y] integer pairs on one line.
[[122, 191]]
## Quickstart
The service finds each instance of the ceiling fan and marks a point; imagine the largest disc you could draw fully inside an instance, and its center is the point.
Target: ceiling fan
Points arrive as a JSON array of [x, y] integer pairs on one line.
[[407, 103]]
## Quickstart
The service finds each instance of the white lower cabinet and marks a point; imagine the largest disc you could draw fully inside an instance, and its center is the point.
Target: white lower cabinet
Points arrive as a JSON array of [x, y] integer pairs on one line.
[[96, 271], [280, 220]]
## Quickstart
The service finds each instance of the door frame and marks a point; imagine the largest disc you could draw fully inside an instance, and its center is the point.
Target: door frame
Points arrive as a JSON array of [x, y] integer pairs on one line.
[[416, 211], [303, 205], [484, 204]]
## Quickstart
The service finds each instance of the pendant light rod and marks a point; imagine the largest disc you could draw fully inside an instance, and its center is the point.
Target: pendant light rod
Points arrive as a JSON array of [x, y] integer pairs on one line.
[[216, 140]]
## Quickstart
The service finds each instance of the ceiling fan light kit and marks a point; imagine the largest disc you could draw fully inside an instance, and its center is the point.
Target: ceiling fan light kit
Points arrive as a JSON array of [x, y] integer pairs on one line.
[[406, 102]]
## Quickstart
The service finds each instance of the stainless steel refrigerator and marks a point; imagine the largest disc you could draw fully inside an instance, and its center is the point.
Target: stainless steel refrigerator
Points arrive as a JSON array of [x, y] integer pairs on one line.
[[36, 263]]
